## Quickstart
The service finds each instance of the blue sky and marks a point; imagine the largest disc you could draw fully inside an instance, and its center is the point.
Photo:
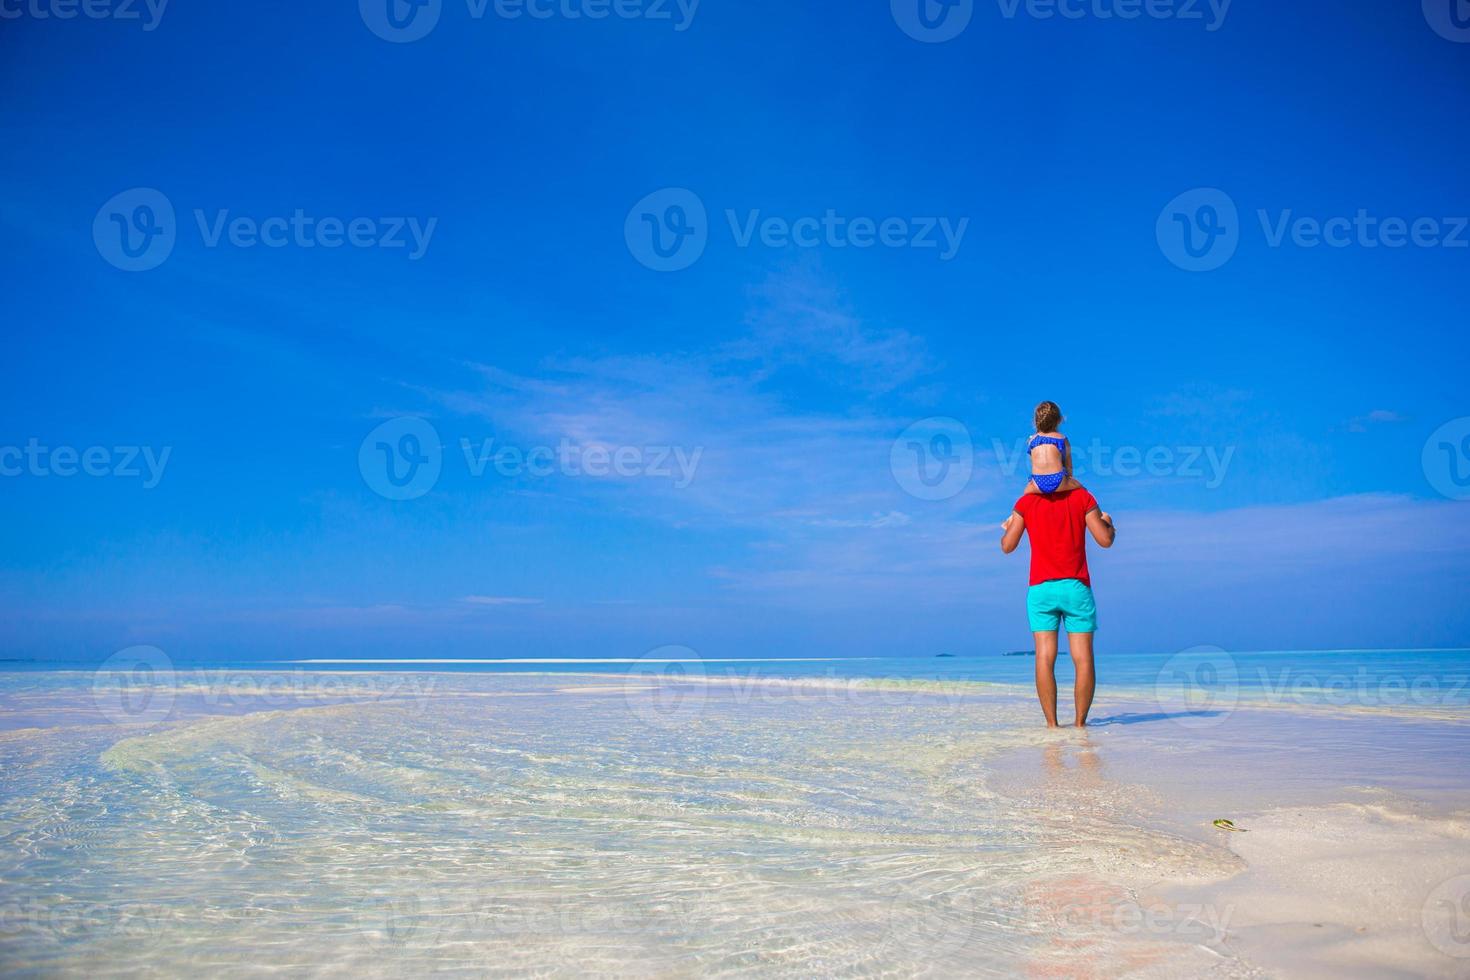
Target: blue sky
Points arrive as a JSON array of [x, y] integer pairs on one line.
[[518, 147]]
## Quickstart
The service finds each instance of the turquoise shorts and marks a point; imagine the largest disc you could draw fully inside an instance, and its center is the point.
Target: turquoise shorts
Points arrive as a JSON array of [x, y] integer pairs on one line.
[[1062, 598]]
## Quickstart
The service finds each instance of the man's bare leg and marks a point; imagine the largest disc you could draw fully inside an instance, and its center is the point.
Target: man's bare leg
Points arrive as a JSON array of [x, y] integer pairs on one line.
[[1046, 675], [1080, 646]]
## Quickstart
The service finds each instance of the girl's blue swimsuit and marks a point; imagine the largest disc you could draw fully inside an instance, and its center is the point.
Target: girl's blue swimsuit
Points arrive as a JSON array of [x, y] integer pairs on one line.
[[1048, 482]]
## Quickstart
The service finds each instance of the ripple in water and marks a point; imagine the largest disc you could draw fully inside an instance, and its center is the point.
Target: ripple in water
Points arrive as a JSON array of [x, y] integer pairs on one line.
[[559, 833]]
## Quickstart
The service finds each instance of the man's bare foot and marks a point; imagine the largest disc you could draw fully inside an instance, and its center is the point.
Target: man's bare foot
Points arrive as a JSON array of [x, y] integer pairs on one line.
[[1080, 724]]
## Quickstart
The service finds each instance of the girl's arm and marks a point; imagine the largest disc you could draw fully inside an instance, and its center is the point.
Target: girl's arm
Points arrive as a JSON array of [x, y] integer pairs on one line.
[[1067, 455]]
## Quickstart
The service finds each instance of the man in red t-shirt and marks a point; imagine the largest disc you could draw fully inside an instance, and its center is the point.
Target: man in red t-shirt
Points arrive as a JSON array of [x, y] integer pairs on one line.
[[1061, 589]]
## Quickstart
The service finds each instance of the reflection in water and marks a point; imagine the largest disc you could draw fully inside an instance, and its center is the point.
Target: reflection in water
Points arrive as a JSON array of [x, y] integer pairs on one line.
[[1087, 767]]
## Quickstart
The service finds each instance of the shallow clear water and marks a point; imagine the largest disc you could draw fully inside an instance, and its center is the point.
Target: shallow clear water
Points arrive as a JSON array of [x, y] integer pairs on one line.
[[500, 824], [1408, 678], [378, 823]]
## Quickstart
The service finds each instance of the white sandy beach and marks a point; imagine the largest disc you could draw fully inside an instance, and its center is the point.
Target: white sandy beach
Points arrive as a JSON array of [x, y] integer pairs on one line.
[[563, 825]]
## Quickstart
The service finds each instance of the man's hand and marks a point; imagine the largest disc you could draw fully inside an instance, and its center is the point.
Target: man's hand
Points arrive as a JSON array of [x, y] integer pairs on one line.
[[1014, 527]]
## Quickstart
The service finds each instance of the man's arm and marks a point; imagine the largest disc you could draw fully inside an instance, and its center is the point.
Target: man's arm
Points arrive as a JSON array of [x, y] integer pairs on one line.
[[1014, 527], [1101, 526]]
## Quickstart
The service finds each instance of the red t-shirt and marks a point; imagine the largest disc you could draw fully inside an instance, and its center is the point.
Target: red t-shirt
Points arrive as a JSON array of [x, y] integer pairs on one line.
[[1057, 526]]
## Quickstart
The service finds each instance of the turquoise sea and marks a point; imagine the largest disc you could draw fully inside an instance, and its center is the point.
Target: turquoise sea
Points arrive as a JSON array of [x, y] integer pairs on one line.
[[1407, 678]]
